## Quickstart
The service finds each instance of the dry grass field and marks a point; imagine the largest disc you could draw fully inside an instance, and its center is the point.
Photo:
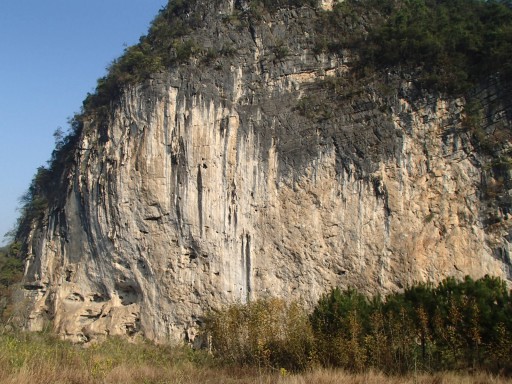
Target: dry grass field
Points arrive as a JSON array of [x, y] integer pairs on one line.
[[41, 358]]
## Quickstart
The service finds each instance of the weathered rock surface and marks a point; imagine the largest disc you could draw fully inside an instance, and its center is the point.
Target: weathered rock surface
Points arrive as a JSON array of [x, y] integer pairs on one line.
[[222, 182]]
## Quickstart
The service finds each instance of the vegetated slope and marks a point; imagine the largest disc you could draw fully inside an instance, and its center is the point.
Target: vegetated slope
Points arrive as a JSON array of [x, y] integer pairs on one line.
[[252, 148]]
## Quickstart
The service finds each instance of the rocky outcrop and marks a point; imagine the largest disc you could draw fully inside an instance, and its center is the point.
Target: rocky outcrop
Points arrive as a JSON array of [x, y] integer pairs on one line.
[[246, 177]]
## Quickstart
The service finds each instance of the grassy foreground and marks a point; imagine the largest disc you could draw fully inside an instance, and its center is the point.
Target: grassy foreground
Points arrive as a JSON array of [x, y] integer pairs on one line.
[[42, 358]]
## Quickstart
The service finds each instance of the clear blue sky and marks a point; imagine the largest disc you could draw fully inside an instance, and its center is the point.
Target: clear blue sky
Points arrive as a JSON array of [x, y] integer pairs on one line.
[[51, 54]]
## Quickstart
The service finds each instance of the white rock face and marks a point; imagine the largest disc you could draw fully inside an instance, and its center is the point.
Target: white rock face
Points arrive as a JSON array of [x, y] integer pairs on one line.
[[178, 213], [193, 200], [329, 4]]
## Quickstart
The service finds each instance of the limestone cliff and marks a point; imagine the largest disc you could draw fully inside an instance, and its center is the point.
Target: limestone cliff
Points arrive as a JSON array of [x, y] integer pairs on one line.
[[239, 176]]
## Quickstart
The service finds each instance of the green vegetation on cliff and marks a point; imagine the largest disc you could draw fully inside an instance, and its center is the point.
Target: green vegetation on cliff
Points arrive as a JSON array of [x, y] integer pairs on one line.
[[446, 45], [455, 44]]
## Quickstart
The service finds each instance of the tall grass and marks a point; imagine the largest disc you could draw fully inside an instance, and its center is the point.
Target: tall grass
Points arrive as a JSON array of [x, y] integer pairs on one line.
[[44, 359]]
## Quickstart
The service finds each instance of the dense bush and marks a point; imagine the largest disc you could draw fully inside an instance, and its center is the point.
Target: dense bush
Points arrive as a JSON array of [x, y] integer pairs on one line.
[[11, 270], [340, 320], [456, 42], [264, 333], [458, 325]]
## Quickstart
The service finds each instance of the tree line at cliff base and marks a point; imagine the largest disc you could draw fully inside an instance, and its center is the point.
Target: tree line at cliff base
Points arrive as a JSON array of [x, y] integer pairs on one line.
[[457, 325]]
